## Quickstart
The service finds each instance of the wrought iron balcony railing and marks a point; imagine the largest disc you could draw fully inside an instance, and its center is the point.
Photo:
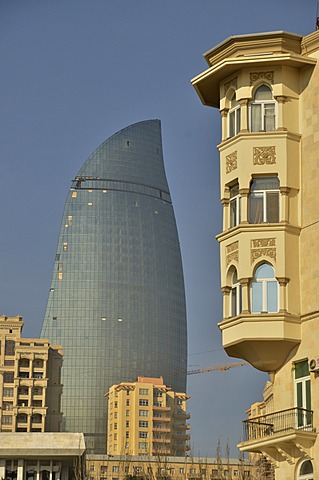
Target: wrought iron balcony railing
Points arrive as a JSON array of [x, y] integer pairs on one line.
[[282, 421]]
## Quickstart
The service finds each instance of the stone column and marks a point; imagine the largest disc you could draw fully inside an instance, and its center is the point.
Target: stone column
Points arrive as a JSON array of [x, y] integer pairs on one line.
[[244, 192], [284, 204], [280, 117], [20, 472], [243, 102], [224, 115], [244, 282], [2, 468], [282, 300], [226, 300]]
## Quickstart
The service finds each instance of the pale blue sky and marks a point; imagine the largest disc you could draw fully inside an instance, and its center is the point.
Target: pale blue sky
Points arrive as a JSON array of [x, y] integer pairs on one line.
[[73, 72]]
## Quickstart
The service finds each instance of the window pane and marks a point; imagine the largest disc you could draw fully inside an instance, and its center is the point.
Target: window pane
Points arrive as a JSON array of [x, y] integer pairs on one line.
[[265, 271], [233, 218], [301, 369], [256, 208], [272, 200], [256, 303], [263, 93], [264, 183], [269, 112], [237, 120], [231, 124], [272, 297], [234, 302], [255, 117]]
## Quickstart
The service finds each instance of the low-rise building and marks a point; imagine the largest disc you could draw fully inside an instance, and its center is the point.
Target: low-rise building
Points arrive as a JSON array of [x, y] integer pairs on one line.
[[126, 467]]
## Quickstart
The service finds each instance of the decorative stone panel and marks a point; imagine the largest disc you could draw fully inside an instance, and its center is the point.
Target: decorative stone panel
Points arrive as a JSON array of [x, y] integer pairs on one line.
[[263, 247], [231, 162], [232, 253], [264, 155], [269, 76], [229, 84]]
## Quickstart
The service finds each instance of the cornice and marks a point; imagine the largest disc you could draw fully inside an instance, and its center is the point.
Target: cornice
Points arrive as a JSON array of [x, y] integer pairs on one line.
[[264, 228], [276, 134]]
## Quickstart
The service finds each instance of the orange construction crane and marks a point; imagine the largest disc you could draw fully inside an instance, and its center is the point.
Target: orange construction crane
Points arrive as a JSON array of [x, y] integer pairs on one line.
[[221, 368]]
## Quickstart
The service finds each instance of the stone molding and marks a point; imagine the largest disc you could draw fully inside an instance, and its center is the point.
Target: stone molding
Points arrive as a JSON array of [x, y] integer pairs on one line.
[[232, 253], [229, 84]]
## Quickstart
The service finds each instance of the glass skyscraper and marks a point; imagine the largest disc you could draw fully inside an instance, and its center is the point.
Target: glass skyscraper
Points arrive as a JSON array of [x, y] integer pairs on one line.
[[117, 302]]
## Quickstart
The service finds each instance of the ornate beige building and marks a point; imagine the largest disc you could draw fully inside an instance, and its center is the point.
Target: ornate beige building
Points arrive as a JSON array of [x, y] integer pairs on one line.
[[30, 381], [147, 418], [267, 89]]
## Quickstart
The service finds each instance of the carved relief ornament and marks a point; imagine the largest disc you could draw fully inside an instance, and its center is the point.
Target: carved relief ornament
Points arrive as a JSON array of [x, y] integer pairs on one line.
[[231, 162], [263, 247], [255, 76], [264, 155], [232, 253], [231, 83]]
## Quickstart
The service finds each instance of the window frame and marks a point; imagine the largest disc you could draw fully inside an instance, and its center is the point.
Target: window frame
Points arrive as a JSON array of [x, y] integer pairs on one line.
[[233, 114], [235, 296], [234, 199], [263, 103], [263, 193], [265, 282]]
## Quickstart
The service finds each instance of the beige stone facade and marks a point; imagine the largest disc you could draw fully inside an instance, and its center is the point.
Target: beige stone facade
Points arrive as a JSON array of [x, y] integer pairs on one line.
[[147, 418], [266, 86], [30, 381], [125, 467]]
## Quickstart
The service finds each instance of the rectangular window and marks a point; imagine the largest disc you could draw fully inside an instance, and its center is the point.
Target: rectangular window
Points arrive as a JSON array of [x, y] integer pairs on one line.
[[143, 403], [127, 434], [143, 445], [115, 468], [6, 420], [182, 471], [143, 391], [143, 434], [9, 348], [127, 423], [127, 403], [8, 392], [127, 413], [143, 424], [8, 377], [143, 413]]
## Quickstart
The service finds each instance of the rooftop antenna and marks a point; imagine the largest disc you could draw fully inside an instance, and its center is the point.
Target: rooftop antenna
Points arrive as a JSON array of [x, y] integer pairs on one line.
[[317, 18]]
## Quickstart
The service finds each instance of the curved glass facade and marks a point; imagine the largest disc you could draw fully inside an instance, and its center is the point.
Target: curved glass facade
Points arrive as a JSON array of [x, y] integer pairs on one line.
[[117, 302]]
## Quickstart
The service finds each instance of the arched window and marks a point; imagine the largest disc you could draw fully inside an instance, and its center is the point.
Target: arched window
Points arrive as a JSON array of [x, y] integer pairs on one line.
[[263, 110], [235, 296], [305, 471], [264, 200], [264, 290], [233, 117], [234, 204]]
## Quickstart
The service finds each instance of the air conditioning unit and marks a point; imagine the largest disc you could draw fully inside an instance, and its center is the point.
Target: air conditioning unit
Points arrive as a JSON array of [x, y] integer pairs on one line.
[[314, 365]]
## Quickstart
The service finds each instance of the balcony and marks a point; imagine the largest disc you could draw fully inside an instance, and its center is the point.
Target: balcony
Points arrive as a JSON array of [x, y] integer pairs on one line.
[[160, 407], [282, 435], [255, 338], [181, 414]]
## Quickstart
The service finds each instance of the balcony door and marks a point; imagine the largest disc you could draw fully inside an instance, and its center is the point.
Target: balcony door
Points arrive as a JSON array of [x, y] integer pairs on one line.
[[303, 394]]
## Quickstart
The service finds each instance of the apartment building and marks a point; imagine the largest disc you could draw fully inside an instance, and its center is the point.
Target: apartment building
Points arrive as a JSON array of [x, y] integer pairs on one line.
[[30, 381], [266, 87], [147, 417]]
